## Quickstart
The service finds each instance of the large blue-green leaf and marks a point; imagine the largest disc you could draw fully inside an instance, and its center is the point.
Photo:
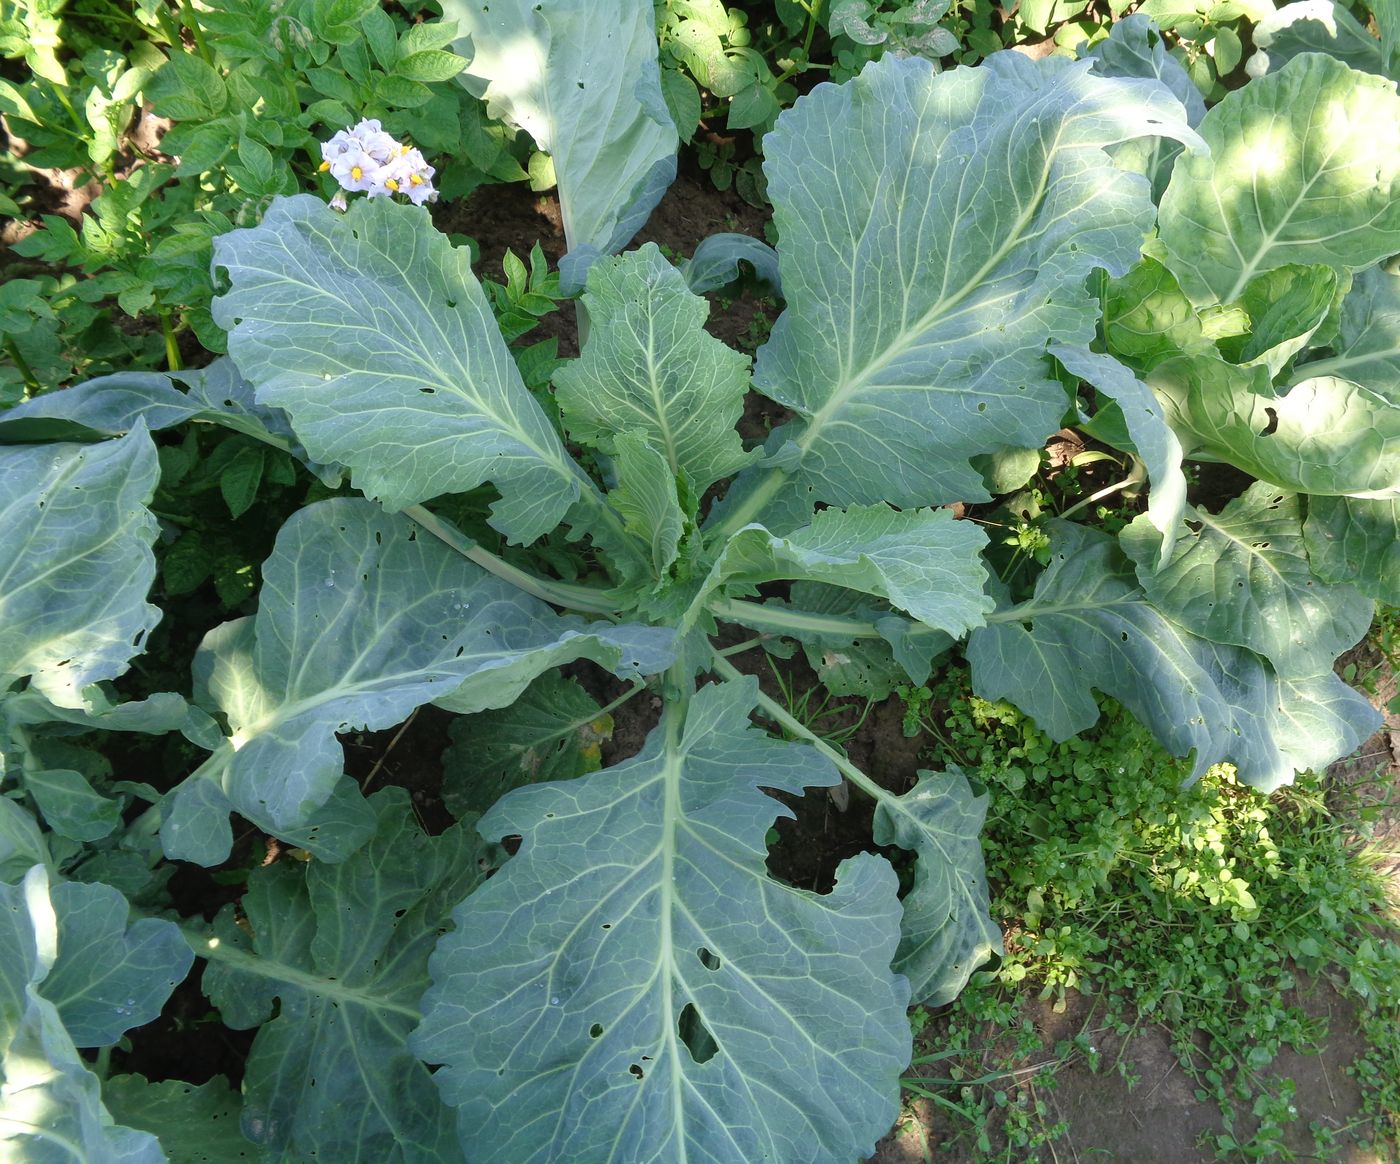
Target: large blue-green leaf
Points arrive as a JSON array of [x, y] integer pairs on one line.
[[716, 260], [650, 367], [1304, 168], [936, 228], [110, 976], [331, 967], [364, 617], [112, 405], [71, 807], [1242, 577], [1326, 435], [633, 986], [1312, 26], [77, 562], [1090, 627], [156, 715], [370, 330], [21, 843], [580, 77], [1356, 542], [1367, 347], [50, 1105], [1134, 48], [1278, 725], [923, 561], [102, 407], [947, 931]]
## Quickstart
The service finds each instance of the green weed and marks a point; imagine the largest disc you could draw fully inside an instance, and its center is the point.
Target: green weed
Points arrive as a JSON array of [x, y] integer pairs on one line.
[[1203, 908]]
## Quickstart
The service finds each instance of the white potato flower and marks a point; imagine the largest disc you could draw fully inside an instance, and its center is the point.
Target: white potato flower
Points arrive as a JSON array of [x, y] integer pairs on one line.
[[365, 158]]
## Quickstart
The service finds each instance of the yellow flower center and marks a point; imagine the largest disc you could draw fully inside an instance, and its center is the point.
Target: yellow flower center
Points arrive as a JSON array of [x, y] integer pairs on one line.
[[393, 185], [415, 179], [356, 173]]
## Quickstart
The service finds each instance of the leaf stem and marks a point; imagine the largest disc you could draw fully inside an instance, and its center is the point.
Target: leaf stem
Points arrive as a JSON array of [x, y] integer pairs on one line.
[[588, 599], [1107, 491], [187, 14], [564, 594], [169, 27], [748, 508], [61, 92], [811, 9], [781, 620], [771, 619], [31, 381], [746, 645], [172, 348], [772, 709], [638, 686]]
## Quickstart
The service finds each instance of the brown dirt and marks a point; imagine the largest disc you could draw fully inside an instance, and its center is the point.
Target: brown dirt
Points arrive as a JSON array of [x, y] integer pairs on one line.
[[1140, 1106], [1368, 782], [514, 217], [45, 190]]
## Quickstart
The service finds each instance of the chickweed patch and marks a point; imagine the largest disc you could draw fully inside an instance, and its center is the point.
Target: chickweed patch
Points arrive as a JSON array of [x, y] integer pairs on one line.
[[1207, 909]]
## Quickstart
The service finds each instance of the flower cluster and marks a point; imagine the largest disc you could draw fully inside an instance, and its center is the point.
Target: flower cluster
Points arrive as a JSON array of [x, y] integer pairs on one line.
[[366, 158]]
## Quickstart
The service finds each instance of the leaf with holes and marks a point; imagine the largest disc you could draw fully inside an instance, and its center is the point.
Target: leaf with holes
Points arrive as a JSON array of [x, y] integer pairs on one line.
[[633, 986], [364, 616], [330, 968], [1325, 435], [947, 930], [1242, 576], [970, 260]]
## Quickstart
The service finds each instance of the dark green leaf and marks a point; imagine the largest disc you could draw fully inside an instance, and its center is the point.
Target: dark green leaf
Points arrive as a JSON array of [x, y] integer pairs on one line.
[[430, 65], [554, 731], [187, 89], [240, 479]]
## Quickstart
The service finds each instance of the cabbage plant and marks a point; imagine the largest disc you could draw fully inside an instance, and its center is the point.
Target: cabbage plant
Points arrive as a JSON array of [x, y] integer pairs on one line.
[[969, 260]]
